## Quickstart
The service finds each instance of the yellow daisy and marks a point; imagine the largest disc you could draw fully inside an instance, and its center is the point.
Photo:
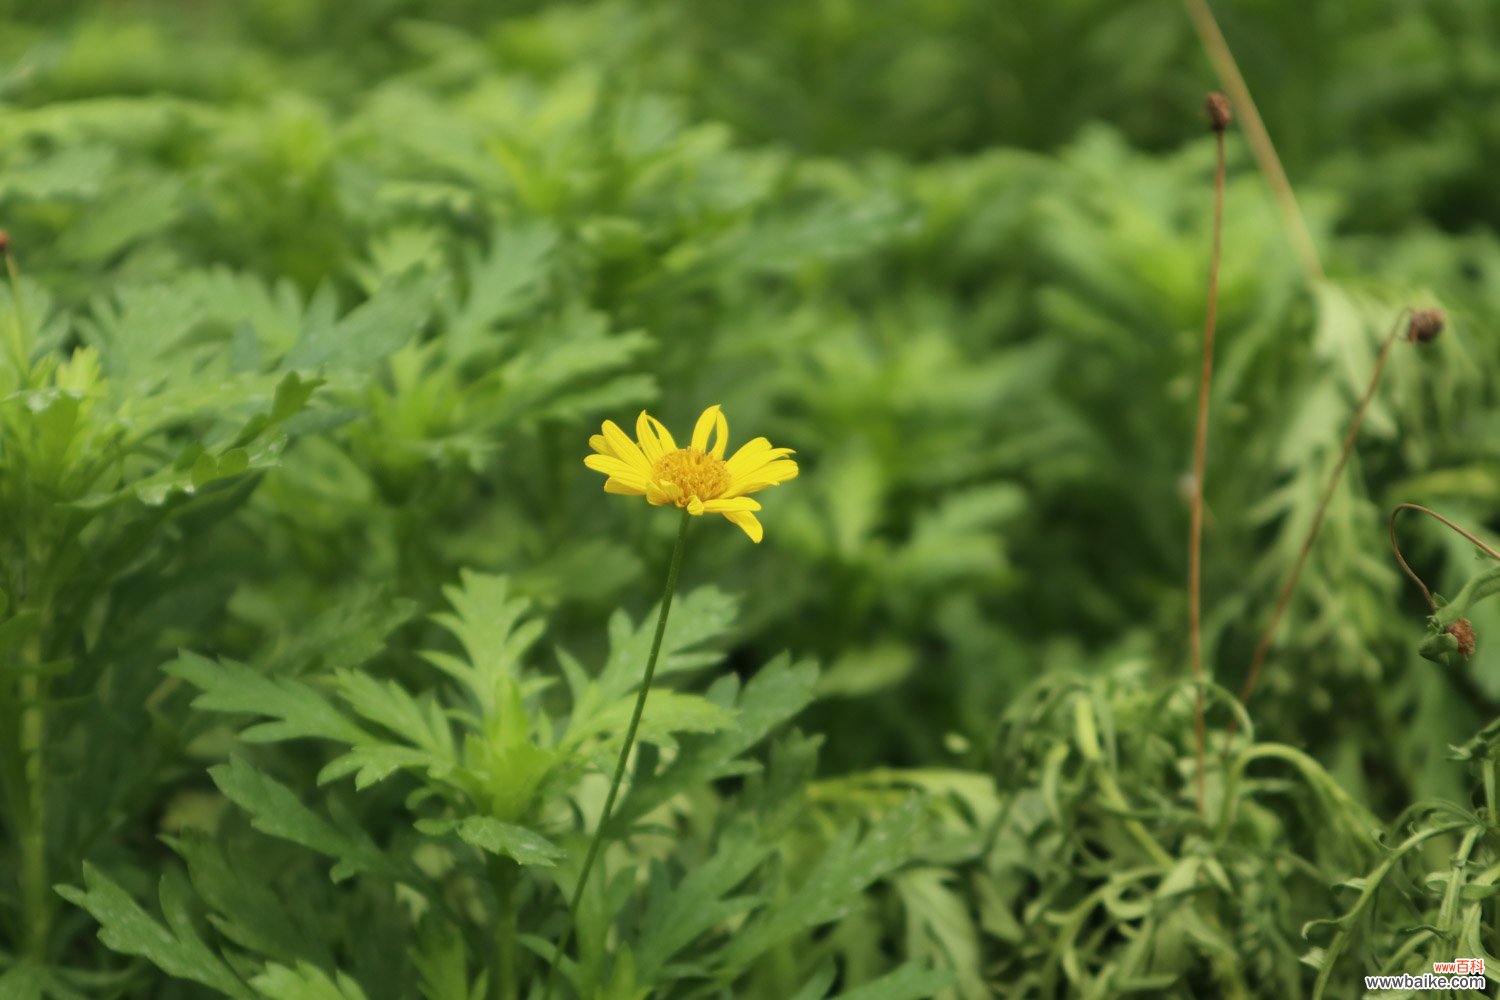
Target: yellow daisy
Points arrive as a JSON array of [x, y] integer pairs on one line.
[[697, 478]]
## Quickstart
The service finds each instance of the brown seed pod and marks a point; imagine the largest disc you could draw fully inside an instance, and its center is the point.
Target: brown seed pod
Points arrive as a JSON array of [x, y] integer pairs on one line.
[[1463, 631], [4, 243], [1426, 324], [1216, 106]]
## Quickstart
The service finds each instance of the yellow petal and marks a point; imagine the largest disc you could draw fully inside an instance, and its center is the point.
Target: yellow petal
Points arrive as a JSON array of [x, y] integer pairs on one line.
[[616, 469], [599, 444], [668, 443], [711, 422], [754, 454], [727, 504], [625, 449], [659, 492], [650, 445], [747, 523], [694, 506], [770, 474], [623, 488]]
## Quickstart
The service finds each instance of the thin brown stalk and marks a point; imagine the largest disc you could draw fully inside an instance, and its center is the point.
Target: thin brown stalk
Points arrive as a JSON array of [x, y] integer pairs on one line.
[[1284, 598], [1396, 548], [1219, 117], [1256, 135]]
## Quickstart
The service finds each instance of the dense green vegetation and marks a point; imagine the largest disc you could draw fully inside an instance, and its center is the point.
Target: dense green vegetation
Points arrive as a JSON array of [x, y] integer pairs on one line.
[[318, 640]]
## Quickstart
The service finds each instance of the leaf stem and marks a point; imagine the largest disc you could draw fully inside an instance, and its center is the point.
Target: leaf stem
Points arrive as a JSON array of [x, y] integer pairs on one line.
[[620, 764], [1284, 598]]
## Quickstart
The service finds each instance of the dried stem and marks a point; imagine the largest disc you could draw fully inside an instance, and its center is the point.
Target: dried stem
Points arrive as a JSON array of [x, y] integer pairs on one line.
[[1434, 514], [1256, 135], [1200, 445], [1282, 599]]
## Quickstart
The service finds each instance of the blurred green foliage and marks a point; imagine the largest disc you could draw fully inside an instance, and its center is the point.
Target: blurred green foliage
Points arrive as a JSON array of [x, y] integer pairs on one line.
[[319, 303]]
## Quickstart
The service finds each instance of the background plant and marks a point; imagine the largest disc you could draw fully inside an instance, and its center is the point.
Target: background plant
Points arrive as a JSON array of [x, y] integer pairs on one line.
[[953, 253]]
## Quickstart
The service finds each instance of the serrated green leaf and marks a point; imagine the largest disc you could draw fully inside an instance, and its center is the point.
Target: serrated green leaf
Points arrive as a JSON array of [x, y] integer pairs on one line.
[[245, 909], [697, 617], [677, 915], [306, 982], [299, 709], [276, 811], [390, 318], [505, 839], [491, 625], [850, 864], [665, 714], [127, 928]]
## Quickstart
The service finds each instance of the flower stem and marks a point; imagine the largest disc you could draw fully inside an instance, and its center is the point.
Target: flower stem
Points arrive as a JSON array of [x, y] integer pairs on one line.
[[635, 722]]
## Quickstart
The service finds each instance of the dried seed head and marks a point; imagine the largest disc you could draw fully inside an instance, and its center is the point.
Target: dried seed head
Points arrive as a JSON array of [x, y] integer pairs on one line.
[[4, 243], [1426, 324], [1463, 631], [1216, 106]]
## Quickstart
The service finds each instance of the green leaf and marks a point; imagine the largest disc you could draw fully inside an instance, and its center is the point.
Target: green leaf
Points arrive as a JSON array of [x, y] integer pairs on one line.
[[505, 839], [1478, 587], [501, 284], [491, 625], [372, 763], [245, 908], [127, 928], [775, 694], [665, 713], [911, 981], [388, 704], [305, 982], [276, 811], [390, 318], [940, 928], [849, 866], [299, 709], [697, 617], [677, 915], [30, 982], [442, 964]]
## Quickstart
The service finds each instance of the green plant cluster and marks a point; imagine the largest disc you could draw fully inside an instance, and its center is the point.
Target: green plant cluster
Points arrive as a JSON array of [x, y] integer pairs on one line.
[[318, 641]]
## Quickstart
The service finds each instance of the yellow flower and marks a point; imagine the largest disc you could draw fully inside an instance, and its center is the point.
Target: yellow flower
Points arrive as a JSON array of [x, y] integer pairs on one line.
[[697, 477]]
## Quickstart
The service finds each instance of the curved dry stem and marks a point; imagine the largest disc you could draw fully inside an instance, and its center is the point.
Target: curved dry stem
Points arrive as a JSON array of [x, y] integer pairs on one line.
[[1258, 662], [1200, 448], [1396, 548]]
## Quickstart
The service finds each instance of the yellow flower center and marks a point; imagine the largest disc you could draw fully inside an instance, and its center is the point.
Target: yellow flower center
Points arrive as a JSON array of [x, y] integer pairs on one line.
[[693, 472]]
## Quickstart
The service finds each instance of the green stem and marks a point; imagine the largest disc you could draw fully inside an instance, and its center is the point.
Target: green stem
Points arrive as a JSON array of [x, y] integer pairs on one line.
[[36, 898], [614, 785], [504, 871], [18, 350], [1446, 911], [1366, 897]]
